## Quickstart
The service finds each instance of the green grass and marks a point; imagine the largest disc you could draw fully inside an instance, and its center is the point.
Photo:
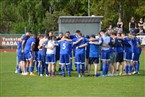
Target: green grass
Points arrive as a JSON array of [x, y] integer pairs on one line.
[[15, 85]]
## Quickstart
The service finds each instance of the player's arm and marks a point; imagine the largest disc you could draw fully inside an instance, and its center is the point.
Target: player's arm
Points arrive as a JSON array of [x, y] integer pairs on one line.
[[32, 46], [55, 43], [129, 26], [23, 44], [96, 43], [78, 41], [40, 44], [81, 46]]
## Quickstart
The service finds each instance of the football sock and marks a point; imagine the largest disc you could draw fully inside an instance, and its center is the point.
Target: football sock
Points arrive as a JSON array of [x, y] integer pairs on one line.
[[63, 70], [78, 68], [130, 69], [107, 68], [104, 69], [137, 67], [46, 68], [126, 68], [27, 69], [19, 70], [69, 70], [31, 68], [83, 69]]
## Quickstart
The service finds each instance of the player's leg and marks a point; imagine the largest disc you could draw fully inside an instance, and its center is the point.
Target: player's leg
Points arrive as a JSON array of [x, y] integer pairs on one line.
[[96, 62], [129, 58], [48, 62], [111, 63], [53, 61], [67, 63], [136, 63], [40, 63], [90, 61], [105, 61], [83, 64], [77, 61], [62, 63], [31, 57]]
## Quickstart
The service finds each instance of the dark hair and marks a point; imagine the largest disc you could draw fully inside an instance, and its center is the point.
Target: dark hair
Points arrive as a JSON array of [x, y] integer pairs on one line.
[[87, 36], [113, 33], [93, 36], [102, 31], [78, 31], [67, 32]]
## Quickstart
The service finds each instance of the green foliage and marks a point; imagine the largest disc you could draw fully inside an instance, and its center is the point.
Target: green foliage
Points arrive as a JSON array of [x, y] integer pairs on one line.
[[38, 15]]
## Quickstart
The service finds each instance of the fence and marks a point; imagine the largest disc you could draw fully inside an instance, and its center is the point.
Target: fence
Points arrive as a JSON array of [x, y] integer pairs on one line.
[[9, 41]]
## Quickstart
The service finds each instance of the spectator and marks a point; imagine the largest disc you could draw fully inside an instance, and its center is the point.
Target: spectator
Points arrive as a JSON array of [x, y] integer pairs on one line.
[[140, 25], [119, 26], [132, 25]]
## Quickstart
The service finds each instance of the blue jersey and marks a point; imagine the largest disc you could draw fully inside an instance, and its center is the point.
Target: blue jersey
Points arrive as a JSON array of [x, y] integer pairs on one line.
[[112, 45], [93, 49], [127, 45], [119, 45], [29, 43], [80, 50], [135, 43], [43, 48], [19, 48], [65, 47]]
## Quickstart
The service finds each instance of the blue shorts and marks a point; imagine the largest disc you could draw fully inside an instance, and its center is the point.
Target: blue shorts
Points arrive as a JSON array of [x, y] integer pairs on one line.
[[127, 56], [135, 57], [64, 59], [39, 56], [80, 58], [19, 58], [50, 58], [35, 55], [105, 55], [28, 55]]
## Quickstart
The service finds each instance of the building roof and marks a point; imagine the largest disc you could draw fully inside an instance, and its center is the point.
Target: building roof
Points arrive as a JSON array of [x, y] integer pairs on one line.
[[80, 19]]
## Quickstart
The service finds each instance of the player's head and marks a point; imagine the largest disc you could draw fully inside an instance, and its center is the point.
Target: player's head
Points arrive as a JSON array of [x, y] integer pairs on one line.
[[87, 36], [50, 33], [67, 34], [92, 36], [113, 34], [78, 33], [118, 34], [28, 33], [102, 32], [35, 35], [60, 35]]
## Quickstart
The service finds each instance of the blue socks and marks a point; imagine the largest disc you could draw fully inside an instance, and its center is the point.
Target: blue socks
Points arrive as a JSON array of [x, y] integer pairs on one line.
[[130, 69], [63, 70], [127, 69], [137, 67], [78, 68], [31, 68], [83, 69], [68, 69], [27, 69], [40, 69], [105, 68]]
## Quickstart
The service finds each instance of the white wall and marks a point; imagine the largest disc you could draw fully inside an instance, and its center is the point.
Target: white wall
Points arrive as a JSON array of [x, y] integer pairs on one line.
[[86, 29]]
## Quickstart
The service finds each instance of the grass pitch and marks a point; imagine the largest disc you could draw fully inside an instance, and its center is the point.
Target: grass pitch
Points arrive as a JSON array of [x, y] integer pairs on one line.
[[15, 85]]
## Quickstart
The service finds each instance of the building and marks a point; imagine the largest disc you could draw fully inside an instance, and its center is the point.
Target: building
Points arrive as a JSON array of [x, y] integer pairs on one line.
[[86, 24]]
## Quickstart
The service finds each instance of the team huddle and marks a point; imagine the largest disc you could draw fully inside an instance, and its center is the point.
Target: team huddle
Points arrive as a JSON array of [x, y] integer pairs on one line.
[[114, 52]]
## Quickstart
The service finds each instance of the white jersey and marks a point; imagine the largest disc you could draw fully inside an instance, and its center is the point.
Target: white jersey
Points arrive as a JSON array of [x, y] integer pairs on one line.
[[50, 44]]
